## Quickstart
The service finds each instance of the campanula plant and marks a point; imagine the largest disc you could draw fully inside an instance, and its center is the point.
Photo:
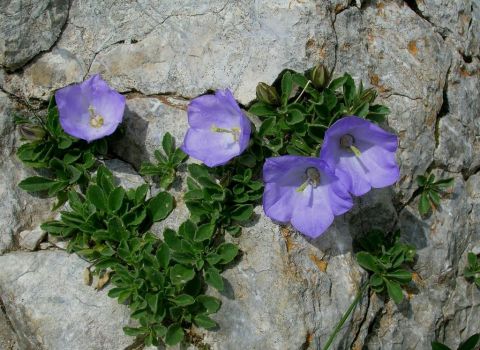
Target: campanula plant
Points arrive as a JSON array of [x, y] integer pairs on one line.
[[67, 140], [314, 148]]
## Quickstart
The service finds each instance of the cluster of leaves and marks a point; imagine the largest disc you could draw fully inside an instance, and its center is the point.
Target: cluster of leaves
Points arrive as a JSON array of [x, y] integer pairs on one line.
[[163, 282], [299, 107], [430, 191], [66, 160], [225, 203], [386, 262], [472, 270], [471, 343], [167, 162]]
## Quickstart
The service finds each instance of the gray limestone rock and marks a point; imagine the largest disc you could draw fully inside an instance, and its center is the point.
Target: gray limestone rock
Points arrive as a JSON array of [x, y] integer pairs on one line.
[[19, 210], [400, 55], [225, 44], [123, 174], [7, 335], [50, 307], [28, 27], [30, 239]]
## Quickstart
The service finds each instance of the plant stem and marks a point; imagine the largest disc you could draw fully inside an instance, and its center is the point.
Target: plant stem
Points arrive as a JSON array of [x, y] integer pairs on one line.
[[345, 316], [301, 93]]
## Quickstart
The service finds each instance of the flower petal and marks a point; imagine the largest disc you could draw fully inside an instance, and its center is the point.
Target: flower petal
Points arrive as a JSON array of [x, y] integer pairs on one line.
[[202, 145], [277, 202], [312, 214]]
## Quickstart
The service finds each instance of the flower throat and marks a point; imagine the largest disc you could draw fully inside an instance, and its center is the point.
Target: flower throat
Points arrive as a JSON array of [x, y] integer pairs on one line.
[[347, 141]]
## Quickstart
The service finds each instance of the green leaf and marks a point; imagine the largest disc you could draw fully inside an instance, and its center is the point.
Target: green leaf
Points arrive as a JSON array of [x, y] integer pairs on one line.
[[153, 301], [470, 343], [368, 262], [267, 127], [423, 204], [421, 180], [116, 229], [294, 117], [213, 278], [445, 183], [348, 90], [204, 321], [163, 255], [160, 206], [227, 252], [287, 85], [204, 232], [242, 212], [394, 291], [336, 83], [171, 239], [168, 144], [36, 184], [187, 230], [472, 260], [184, 300], [174, 335], [402, 276], [262, 109], [115, 199], [54, 227], [180, 274], [376, 280], [133, 332], [178, 156], [97, 197], [210, 303], [197, 171], [141, 193], [439, 346], [434, 197]]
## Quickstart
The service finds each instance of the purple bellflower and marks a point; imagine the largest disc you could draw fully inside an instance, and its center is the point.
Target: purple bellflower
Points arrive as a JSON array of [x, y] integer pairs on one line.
[[362, 154], [219, 130], [90, 110], [303, 191]]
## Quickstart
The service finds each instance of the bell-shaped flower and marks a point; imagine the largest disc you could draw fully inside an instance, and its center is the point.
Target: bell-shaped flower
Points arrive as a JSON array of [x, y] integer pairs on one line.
[[219, 130], [362, 154], [303, 191], [90, 110]]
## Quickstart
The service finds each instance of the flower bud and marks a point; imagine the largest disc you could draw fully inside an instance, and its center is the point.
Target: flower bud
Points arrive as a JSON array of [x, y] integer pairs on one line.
[[320, 76], [31, 132], [267, 94]]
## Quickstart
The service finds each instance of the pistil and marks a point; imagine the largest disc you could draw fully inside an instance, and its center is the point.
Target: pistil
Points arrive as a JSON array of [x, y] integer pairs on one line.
[[347, 141], [313, 178], [235, 132], [96, 120]]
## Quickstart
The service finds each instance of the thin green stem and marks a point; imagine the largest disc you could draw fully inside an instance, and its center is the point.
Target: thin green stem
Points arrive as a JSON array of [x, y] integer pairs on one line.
[[345, 316], [301, 93]]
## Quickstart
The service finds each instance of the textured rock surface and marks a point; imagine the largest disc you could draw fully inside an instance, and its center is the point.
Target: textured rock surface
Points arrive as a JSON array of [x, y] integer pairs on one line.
[[30, 239], [286, 292], [50, 307], [7, 336], [28, 27], [18, 209]]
